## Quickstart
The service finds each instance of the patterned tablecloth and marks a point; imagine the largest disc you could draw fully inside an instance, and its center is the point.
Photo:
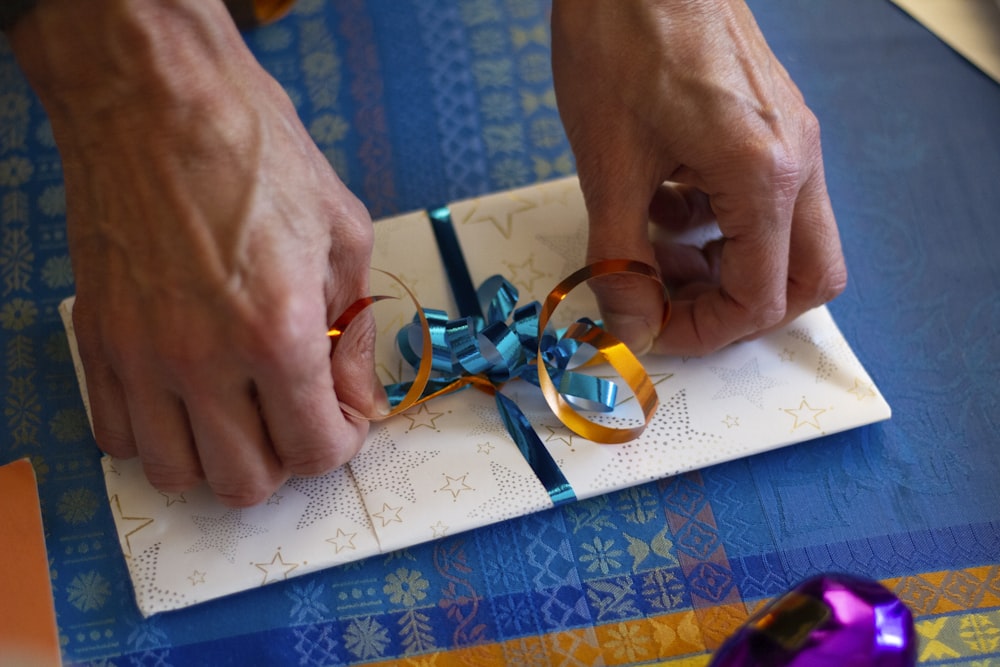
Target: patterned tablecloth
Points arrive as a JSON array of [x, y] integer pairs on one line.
[[418, 102]]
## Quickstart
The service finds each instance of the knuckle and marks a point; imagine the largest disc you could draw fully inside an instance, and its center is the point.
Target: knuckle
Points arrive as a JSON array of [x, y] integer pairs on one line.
[[237, 492], [168, 477], [114, 442], [313, 461]]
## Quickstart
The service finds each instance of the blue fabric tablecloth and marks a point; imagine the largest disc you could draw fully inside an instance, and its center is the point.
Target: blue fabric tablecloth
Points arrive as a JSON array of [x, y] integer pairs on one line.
[[419, 102]]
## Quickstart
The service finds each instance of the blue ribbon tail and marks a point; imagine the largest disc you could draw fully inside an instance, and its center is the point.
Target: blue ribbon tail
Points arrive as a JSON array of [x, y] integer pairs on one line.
[[534, 452]]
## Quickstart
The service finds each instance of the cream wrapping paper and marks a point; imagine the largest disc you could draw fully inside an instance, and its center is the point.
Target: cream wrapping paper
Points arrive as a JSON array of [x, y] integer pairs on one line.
[[448, 465]]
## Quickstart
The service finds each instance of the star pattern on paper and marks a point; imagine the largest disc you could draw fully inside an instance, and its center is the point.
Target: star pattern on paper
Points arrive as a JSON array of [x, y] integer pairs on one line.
[[560, 434], [485, 448], [745, 381], [805, 415], [275, 499], [524, 274], [439, 529], [389, 514], [128, 525], [518, 493], [832, 351], [325, 498], [223, 533], [386, 466], [196, 578], [731, 421], [342, 541], [504, 224], [489, 423], [172, 498], [786, 355], [423, 417], [276, 570], [571, 247], [656, 378], [456, 485], [635, 461], [862, 389]]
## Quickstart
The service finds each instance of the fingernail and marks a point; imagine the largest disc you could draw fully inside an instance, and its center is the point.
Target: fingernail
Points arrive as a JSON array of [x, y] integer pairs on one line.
[[632, 330], [380, 400]]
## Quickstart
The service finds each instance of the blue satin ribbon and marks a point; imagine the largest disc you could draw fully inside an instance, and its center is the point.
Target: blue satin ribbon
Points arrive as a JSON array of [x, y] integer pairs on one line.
[[492, 343]]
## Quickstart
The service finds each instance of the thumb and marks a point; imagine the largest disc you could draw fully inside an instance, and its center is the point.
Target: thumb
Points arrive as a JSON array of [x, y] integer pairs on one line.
[[632, 307]]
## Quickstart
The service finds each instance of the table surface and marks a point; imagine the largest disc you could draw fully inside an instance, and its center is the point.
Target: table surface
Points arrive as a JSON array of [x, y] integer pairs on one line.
[[418, 102]]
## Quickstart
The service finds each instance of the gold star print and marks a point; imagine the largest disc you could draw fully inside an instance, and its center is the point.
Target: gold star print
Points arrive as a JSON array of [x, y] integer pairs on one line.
[[506, 225], [731, 422], [525, 274], [422, 417], [196, 578], [439, 529], [124, 522], [342, 541], [276, 570], [657, 378], [389, 515], [173, 498], [559, 434], [862, 390], [455, 485], [804, 414], [786, 354], [484, 448]]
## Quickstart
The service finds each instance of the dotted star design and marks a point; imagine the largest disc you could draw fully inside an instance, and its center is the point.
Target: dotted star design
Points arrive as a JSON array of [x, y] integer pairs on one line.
[[786, 355], [832, 352], [862, 389], [805, 415], [731, 422], [439, 530], [389, 514], [327, 499], [276, 570], [196, 578], [423, 417], [128, 525], [275, 499], [571, 247], [484, 448], [385, 465], [223, 533], [490, 422], [635, 460], [745, 381], [342, 541], [456, 485]]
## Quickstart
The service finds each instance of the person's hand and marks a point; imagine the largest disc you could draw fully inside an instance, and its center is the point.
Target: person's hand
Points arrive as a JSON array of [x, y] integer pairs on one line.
[[212, 246], [679, 114]]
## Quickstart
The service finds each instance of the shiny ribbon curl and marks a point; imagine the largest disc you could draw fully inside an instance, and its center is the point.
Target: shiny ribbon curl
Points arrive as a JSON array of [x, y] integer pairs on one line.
[[487, 352]]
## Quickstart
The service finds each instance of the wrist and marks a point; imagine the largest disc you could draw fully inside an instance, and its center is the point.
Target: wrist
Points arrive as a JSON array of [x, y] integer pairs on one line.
[[104, 61]]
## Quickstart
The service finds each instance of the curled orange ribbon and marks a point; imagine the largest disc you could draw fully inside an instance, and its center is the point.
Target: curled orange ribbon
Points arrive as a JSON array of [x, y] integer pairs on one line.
[[607, 348]]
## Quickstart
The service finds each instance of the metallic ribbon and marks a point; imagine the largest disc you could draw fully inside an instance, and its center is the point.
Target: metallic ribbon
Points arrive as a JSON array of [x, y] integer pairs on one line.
[[493, 342]]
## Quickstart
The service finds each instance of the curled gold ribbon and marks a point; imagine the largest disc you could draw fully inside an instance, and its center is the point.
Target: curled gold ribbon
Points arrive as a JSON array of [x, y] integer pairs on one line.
[[607, 348]]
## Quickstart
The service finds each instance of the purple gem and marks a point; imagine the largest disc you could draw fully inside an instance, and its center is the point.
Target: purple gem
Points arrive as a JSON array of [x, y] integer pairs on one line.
[[834, 620]]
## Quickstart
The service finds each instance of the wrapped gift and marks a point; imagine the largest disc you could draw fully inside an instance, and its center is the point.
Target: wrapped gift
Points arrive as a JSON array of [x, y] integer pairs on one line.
[[450, 464]]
